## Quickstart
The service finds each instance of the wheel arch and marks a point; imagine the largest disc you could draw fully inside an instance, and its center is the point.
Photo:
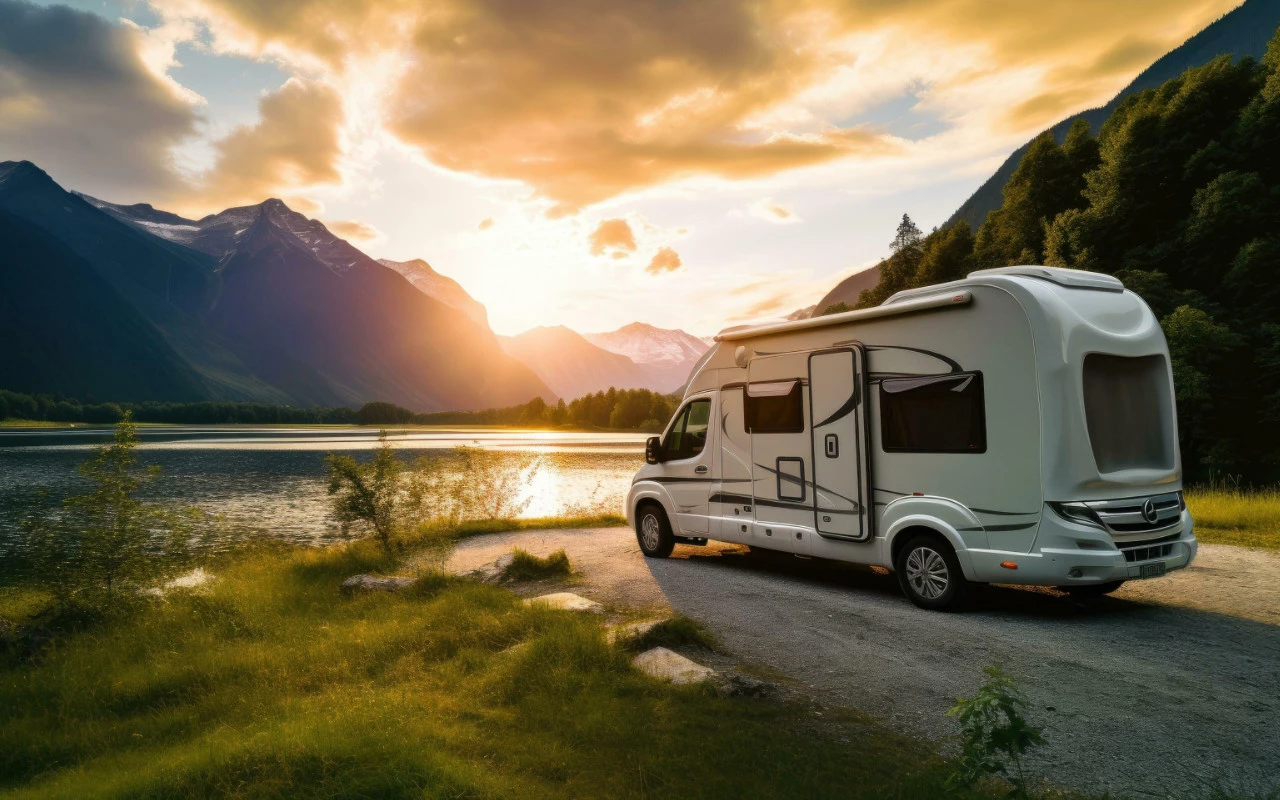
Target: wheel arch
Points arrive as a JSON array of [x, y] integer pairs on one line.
[[652, 493], [901, 531]]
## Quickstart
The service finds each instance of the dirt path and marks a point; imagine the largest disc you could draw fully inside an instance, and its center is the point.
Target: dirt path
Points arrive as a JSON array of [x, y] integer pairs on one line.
[[1172, 685]]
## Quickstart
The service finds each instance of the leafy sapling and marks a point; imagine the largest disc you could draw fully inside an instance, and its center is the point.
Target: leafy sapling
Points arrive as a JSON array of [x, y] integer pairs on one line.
[[994, 736]]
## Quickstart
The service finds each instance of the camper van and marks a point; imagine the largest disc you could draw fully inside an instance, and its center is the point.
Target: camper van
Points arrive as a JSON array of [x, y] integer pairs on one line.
[[1014, 427]]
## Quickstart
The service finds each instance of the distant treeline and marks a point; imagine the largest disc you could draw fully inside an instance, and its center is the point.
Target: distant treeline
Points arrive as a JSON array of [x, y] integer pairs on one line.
[[1179, 197], [615, 408], [625, 409]]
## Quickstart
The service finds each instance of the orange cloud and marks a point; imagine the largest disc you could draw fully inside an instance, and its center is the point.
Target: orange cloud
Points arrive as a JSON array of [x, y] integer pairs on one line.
[[588, 100], [485, 224], [770, 211], [295, 145], [355, 230], [612, 234], [665, 260]]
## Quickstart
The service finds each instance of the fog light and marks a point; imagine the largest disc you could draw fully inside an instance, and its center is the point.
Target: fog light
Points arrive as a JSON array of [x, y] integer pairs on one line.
[[1009, 564], [1075, 572]]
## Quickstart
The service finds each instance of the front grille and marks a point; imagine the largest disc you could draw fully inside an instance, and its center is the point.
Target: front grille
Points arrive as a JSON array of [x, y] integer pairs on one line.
[[1145, 551], [1126, 516]]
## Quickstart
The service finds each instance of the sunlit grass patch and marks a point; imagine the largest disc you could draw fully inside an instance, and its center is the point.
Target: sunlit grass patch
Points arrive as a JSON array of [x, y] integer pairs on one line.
[[1231, 515], [525, 566], [271, 682], [674, 633]]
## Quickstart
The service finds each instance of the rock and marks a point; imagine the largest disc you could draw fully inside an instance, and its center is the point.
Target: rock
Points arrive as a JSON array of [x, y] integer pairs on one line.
[[493, 571], [566, 601], [190, 580], [738, 685], [670, 666], [632, 630], [373, 583]]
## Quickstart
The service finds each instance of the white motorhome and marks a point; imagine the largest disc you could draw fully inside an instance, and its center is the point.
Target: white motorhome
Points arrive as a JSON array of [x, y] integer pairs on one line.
[[1014, 427]]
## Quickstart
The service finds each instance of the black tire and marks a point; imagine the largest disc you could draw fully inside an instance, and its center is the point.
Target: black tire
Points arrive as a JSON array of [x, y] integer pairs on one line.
[[653, 531], [1092, 589], [929, 573]]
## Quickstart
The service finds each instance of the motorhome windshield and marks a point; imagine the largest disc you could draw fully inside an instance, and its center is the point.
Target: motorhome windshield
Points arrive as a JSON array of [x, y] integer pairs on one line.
[[1129, 409]]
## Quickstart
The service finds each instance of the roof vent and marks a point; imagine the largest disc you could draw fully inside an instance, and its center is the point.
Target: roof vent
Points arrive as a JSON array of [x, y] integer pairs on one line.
[[1073, 278]]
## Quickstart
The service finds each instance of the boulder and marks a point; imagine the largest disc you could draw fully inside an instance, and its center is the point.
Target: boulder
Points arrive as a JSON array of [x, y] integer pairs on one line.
[[669, 665], [566, 601], [373, 583]]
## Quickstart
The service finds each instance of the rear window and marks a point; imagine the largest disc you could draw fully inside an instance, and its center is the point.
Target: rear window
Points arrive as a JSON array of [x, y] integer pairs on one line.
[[933, 414], [1129, 410]]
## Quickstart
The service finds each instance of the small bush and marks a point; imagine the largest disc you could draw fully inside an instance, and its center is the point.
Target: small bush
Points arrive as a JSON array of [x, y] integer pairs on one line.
[[993, 733], [525, 566]]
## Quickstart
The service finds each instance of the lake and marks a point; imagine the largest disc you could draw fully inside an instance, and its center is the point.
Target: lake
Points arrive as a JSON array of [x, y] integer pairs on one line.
[[272, 479]]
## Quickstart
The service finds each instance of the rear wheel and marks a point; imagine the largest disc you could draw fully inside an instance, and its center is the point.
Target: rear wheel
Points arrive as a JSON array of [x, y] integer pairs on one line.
[[929, 573], [653, 532], [1092, 589]]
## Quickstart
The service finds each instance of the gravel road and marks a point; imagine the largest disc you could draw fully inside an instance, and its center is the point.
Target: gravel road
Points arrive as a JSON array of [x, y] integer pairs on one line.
[[1171, 687]]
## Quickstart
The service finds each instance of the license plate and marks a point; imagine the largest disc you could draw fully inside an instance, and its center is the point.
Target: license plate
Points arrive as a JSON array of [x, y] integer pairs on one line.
[[1151, 570]]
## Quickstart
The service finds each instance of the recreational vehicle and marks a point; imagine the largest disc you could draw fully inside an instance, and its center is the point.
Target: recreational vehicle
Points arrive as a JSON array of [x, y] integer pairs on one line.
[[1014, 427]]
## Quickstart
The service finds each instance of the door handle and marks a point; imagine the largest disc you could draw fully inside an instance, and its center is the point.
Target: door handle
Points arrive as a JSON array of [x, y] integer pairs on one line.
[[701, 469]]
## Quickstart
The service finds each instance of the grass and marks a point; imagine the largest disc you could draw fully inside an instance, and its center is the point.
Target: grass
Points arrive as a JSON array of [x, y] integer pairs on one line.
[[525, 566], [270, 683], [10, 422], [677, 632], [1230, 515]]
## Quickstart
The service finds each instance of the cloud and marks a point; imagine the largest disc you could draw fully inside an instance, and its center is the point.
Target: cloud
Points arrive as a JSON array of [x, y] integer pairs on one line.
[[612, 234], [294, 146], [770, 211], [587, 100], [355, 230], [77, 97], [665, 260], [485, 224]]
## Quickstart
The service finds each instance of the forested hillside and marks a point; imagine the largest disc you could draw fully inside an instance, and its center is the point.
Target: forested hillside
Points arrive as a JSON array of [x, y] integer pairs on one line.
[[1179, 197]]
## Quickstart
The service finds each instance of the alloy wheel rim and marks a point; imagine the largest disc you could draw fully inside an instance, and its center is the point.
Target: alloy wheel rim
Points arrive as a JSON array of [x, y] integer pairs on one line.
[[650, 532], [927, 573]]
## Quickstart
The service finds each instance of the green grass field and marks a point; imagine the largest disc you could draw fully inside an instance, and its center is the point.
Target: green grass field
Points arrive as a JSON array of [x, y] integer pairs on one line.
[[1223, 515], [270, 683]]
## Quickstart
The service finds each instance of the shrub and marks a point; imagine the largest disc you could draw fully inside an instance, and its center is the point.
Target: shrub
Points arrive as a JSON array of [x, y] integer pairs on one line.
[[525, 566], [97, 544], [993, 733]]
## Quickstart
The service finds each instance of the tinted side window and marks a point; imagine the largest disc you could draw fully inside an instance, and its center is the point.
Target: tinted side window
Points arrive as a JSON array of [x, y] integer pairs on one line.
[[774, 408], [688, 435], [938, 414]]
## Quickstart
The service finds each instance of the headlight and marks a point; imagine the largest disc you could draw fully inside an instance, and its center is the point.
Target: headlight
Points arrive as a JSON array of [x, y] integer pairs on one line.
[[1077, 512]]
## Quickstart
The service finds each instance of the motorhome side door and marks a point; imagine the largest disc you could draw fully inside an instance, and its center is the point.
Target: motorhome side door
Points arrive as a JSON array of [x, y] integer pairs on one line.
[[775, 414], [838, 408]]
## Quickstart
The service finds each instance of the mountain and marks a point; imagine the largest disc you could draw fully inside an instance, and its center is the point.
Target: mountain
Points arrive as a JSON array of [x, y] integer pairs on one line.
[[847, 290], [441, 287], [266, 304], [571, 365], [64, 329], [666, 355], [1242, 32]]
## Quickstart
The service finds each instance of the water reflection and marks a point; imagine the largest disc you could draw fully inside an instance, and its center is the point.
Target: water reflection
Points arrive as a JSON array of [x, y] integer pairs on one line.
[[273, 478]]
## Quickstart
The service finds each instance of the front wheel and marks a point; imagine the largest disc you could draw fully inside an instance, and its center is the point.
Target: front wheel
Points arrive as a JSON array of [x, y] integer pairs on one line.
[[653, 531], [929, 573]]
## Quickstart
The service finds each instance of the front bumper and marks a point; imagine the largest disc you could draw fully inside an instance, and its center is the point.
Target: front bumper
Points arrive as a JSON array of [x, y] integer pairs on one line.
[[1067, 553]]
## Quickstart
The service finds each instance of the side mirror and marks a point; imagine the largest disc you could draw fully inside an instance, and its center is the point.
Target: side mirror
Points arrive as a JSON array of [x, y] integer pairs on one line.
[[653, 450]]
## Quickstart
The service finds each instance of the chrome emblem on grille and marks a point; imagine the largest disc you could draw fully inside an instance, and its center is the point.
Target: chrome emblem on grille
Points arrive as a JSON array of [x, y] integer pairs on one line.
[[1149, 512]]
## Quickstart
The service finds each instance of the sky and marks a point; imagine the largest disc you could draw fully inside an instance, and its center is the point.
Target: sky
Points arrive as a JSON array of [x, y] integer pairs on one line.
[[572, 162]]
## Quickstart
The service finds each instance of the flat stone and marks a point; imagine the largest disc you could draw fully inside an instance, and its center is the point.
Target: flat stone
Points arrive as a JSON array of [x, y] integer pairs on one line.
[[190, 580], [373, 583], [670, 666], [632, 630], [566, 601]]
